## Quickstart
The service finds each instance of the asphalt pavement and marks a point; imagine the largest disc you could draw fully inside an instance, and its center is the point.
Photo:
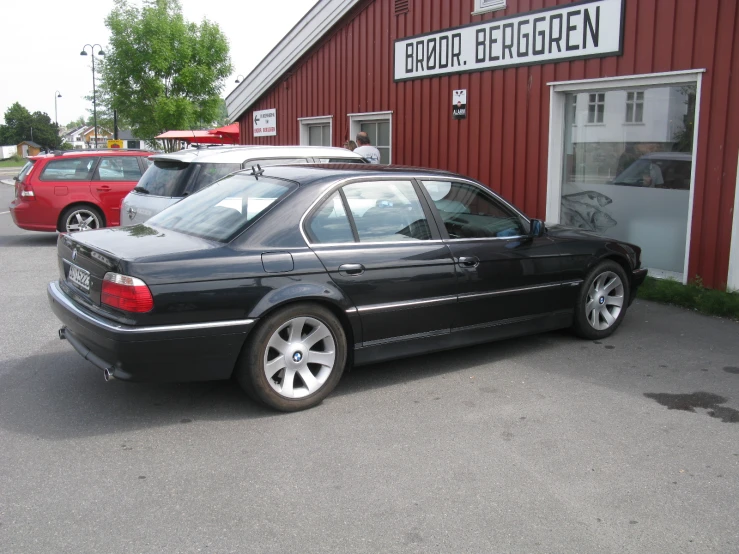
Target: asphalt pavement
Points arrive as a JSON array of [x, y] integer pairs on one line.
[[541, 444]]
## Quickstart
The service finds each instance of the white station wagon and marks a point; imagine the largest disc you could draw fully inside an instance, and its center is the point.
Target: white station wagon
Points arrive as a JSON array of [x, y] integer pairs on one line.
[[171, 177]]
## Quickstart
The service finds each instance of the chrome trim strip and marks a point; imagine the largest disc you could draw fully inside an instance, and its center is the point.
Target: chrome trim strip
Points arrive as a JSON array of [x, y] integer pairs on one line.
[[362, 244], [501, 292], [573, 283], [62, 299], [393, 305]]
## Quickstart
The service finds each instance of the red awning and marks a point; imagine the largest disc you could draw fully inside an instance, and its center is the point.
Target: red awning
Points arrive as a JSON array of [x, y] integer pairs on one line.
[[231, 131], [202, 137]]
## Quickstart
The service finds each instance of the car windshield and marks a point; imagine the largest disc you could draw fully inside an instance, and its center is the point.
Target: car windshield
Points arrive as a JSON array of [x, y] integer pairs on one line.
[[165, 178], [224, 209], [657, 173]]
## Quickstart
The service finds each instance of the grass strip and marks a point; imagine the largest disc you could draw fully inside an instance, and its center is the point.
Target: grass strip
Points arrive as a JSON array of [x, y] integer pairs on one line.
[[693, 296]]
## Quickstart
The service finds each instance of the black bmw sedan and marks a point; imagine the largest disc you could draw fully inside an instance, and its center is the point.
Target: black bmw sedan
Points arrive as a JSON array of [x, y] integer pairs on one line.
[[283, 277]]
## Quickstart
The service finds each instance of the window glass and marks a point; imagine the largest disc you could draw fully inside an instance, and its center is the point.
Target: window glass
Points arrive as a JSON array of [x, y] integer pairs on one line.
[[265, 162], [632, 181], [330, 224], [387, 211], [342, 160], [206, 174], [26, 170], [319, 135], [165, 178], [221, 211], [379, 134], [467, 212], [69, 169], [118, 168]]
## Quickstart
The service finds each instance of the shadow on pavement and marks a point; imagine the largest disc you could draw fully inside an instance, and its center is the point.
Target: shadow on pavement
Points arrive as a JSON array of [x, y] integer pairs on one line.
[[26, 240], [59, 396]]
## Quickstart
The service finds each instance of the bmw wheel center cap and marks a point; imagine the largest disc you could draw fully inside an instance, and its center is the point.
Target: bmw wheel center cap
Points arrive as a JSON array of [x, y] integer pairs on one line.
[[297, 357]]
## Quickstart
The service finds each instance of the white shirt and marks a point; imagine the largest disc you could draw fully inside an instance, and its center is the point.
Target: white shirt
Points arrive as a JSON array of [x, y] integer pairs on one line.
[[369, 152]]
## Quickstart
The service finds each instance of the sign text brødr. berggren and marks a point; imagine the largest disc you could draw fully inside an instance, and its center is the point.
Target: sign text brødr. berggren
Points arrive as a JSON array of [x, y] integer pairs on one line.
[[585, 29]]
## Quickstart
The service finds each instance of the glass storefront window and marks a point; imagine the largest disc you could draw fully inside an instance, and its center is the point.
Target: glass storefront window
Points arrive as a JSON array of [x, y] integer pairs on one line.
[[627, 165]]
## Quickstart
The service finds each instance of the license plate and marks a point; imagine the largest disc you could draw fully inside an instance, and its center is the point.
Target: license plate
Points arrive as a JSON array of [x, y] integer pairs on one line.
[[79, 277]]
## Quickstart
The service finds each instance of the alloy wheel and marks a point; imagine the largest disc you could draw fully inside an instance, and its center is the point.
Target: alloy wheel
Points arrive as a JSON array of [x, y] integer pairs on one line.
[[82, 220], [299, 357], [605, 301]]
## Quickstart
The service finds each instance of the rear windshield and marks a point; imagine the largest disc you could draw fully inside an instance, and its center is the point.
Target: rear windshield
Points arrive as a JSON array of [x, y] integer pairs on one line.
[[224, 209], [165, 178], [343, 160], [25, 170], [207, 174]]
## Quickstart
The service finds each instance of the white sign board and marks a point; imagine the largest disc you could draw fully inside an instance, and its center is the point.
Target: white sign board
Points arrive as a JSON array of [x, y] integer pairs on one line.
[[459, 104], [265, 123], [581, 30]]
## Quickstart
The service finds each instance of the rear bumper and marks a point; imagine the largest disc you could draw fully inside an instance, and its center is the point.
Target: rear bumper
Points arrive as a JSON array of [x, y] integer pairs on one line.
[[637, 278], [161, 353], [24, 216]]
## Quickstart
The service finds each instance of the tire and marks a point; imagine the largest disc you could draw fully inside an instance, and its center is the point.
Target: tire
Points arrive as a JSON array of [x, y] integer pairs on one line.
[[294, 358], [602, 302], [81, 217]]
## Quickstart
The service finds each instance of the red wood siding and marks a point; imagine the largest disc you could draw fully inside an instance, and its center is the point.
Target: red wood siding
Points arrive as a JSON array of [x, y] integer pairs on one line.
[[504, 142]]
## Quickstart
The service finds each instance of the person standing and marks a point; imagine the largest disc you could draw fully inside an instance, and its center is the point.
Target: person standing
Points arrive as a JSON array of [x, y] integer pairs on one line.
[[350, 145], [366, 150]]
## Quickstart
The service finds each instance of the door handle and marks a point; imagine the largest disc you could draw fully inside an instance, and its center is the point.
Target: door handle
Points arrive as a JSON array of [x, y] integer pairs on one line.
[[103, 188], [351, 269], [469, 261]]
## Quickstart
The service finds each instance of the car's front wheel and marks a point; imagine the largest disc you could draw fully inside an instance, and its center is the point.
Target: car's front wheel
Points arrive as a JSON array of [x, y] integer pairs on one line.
[[603, 300], [295, 358]]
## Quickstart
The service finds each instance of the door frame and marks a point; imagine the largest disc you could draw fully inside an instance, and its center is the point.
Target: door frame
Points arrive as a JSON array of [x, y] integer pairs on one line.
[[557, 93], [732, 282]]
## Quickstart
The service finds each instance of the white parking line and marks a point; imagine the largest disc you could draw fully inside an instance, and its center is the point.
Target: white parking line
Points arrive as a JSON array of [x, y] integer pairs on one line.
[[1, 213]]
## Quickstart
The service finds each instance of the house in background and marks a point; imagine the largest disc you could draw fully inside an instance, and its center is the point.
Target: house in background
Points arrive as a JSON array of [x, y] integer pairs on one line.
[[28, 148], [74, 137], [129, 141]]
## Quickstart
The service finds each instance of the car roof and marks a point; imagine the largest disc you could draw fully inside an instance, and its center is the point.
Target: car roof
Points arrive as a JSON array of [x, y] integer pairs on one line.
[[685, 156], [84, 153], [322, 173], [237, 154]]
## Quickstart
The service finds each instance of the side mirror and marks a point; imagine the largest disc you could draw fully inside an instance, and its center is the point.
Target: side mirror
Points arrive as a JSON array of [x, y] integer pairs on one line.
[[15, 177], [537, 228]]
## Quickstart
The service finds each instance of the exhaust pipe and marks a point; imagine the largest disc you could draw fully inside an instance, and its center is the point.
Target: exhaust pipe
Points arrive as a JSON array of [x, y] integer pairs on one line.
[[87, 355], [108, 375]]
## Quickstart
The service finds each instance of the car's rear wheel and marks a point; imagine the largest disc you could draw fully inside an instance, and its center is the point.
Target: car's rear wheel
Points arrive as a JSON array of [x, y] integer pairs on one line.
[[81, 218], [295, 358], [603, 300]]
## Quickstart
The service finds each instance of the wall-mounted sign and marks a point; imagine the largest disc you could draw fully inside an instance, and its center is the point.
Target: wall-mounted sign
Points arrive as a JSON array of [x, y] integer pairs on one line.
[[459, 104], [265, 123], [587, 29]]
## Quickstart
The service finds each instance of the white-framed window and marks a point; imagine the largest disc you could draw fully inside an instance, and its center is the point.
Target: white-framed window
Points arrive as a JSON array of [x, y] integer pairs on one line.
[[635, 106], [484, 6], [596, 107], [379, 127], [316, 131], [633, 183]]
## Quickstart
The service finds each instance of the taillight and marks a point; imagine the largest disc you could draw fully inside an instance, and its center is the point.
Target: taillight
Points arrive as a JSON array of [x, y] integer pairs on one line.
[[126, 293], [27, 191]]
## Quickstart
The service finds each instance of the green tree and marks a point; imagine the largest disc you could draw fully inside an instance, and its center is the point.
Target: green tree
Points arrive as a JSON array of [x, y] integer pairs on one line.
[[20, 125], [161, 72]]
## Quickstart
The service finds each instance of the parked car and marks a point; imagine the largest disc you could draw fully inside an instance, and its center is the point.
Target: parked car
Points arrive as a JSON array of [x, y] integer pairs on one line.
[[75, 191], [283, 276], [663, 170], [174, 176]]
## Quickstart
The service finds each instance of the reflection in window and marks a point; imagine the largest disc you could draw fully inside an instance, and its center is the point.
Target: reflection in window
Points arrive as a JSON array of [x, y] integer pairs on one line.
[[634, 107], [469, 213], [596, 107], [330, 224], [387, 211]]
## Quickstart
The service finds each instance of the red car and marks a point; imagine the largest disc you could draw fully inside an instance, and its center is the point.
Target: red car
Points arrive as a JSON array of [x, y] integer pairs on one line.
[[76, 190]]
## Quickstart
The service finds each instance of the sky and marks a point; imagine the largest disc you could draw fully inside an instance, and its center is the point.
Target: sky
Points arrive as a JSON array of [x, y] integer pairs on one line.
[[41, 43]]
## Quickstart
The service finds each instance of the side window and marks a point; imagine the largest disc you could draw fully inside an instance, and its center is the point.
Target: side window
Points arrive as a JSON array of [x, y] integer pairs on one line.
[[118, 168], [342, 160], [330, 224], [264, 162], [207, 174], [69, 169], [386, 211], [468, 213]]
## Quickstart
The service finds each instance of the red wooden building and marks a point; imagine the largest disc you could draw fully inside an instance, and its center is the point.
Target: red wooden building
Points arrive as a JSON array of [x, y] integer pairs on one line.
[[619, 116]]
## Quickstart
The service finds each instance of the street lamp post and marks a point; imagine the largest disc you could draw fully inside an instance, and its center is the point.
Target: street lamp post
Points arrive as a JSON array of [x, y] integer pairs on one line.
[[94, 99], [57, 94], [239, 78]]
